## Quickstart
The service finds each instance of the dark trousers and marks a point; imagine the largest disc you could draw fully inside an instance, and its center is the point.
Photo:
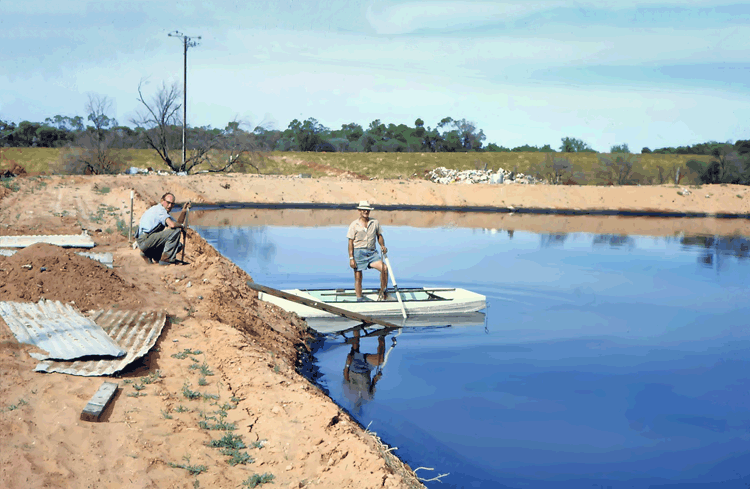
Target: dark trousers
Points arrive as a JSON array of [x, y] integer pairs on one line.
[[157, 245]]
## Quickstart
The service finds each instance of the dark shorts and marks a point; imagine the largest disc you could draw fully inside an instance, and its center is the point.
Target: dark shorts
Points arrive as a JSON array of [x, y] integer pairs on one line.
[[364, 257]]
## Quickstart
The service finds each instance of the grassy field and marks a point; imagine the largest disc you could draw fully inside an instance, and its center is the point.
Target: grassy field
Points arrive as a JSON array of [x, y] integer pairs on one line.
[[388, 165]]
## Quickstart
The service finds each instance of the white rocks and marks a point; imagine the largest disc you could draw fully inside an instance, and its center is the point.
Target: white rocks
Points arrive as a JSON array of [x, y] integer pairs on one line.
[[444, 176]]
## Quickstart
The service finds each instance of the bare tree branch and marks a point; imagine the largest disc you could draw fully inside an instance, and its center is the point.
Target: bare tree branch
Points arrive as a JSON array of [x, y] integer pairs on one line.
[[161, 122]]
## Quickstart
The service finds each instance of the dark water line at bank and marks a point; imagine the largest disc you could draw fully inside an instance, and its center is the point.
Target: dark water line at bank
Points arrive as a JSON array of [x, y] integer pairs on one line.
[[468, 208]]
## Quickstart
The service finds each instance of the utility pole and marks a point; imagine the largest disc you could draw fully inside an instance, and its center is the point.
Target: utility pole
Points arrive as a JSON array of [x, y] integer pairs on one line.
[[187, 42]]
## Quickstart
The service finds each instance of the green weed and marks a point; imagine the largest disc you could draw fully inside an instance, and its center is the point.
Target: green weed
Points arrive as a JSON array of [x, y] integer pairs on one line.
[[193, 469], [152, 377], [230, 440], [184, 353], [10, 183], [13, 407], [218, 426], [237, 457], [188, 393], [256, 480]]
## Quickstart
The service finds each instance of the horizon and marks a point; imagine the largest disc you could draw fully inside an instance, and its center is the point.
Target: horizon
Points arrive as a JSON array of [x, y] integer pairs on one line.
[[650, 74]]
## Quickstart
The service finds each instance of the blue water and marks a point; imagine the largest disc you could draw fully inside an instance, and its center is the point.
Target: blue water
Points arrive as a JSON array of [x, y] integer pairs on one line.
[[603, 361]]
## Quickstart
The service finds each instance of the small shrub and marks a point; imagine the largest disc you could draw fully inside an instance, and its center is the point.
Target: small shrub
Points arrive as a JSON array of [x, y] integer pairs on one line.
[[188, 393], [256, 480], [152, 377], [21, 402], [10, 183], [187, 351], [193, 469], [230, 440], [219, 426], [237, 457]]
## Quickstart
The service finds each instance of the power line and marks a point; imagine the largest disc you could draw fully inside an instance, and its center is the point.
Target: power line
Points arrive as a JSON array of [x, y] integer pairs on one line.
[[187, 42]]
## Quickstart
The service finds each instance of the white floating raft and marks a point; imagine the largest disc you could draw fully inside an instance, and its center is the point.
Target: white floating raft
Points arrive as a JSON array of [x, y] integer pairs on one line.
[[418, 301]]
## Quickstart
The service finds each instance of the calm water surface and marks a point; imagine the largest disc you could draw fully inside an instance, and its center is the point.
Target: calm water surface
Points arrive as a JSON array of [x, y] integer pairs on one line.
[[602, 362]]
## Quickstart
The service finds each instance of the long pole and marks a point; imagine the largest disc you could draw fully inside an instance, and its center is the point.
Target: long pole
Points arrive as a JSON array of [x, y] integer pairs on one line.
[[184, 98], [395, 285], [130, 229], [187, 42], [184, 234]]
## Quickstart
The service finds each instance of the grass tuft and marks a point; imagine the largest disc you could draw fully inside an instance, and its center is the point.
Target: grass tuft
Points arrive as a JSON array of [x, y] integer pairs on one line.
[[193, 469], [256, 480], [188, 393], [230, 440], [237, 457]]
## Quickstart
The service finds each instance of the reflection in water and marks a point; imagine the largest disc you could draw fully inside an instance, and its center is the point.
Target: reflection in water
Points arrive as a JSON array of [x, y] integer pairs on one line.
[[614, 240], [717, 248], [243, 241], [359, 381], [554, 239]]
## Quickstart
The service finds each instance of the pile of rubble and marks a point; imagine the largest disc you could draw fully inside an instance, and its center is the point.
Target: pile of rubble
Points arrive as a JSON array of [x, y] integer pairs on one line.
[[445, 175]]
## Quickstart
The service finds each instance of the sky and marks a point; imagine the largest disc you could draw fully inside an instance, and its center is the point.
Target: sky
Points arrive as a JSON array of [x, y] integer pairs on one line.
[[642, 73]]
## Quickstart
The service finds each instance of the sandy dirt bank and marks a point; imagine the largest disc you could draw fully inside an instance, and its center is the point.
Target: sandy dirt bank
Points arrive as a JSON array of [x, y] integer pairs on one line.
[[252, 349]]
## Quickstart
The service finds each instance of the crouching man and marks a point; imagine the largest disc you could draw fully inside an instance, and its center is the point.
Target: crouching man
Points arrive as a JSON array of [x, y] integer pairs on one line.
[[158, 234]]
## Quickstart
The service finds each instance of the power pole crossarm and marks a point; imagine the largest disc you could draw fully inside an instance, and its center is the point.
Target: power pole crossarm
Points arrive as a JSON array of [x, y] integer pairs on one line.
[[187, 42]]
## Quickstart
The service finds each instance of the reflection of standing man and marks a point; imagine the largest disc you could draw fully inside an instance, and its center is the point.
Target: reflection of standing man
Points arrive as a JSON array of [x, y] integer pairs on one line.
[[361, 236], [358, 386]]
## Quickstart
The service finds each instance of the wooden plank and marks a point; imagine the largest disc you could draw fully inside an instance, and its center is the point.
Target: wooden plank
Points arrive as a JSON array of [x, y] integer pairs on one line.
[[320, 305], [99, 402]]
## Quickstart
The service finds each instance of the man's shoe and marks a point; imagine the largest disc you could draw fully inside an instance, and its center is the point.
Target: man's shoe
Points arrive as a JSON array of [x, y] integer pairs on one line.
[[146, 258], [382, 295]]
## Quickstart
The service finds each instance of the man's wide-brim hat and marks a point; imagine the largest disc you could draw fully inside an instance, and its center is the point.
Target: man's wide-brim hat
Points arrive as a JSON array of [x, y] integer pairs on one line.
[[364, 205]]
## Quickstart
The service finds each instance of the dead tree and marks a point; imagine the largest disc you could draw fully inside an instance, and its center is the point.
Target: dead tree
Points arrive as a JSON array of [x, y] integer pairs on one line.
[[160, 120]]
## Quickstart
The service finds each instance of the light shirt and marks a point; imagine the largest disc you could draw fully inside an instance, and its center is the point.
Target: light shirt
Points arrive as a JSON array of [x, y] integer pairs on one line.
[[152, 218], [364, 237]]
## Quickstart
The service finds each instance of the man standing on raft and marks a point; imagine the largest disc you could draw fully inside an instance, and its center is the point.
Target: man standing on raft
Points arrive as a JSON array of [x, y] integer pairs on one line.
[[362, 253]]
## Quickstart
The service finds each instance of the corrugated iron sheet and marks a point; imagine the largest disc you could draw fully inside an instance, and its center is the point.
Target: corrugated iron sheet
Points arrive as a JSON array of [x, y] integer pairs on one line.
[[136, 331], [104, 258], [65, 240], [58, 329]]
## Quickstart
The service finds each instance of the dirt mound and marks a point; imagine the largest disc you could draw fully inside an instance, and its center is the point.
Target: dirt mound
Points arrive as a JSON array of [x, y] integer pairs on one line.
[[230, 301], [55, 273], [16, 170]]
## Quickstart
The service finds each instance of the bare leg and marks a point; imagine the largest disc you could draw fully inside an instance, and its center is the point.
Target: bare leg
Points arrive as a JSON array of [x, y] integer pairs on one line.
[[358, 283], [379, 265]]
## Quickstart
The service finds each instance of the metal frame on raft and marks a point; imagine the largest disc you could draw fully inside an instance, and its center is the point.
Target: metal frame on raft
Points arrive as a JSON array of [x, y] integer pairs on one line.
[[320, 305]]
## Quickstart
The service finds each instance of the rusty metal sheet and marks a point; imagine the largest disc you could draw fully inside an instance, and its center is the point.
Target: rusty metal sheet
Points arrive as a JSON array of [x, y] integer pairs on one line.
[[106, 259], [57, 328], [135, 331], [64, 240]]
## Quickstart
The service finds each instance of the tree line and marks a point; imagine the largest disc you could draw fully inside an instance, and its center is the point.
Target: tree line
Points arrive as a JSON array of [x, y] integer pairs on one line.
[[96, 144]]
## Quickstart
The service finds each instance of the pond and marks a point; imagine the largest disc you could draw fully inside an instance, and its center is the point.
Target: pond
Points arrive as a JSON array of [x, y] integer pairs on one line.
[[602, 360]]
